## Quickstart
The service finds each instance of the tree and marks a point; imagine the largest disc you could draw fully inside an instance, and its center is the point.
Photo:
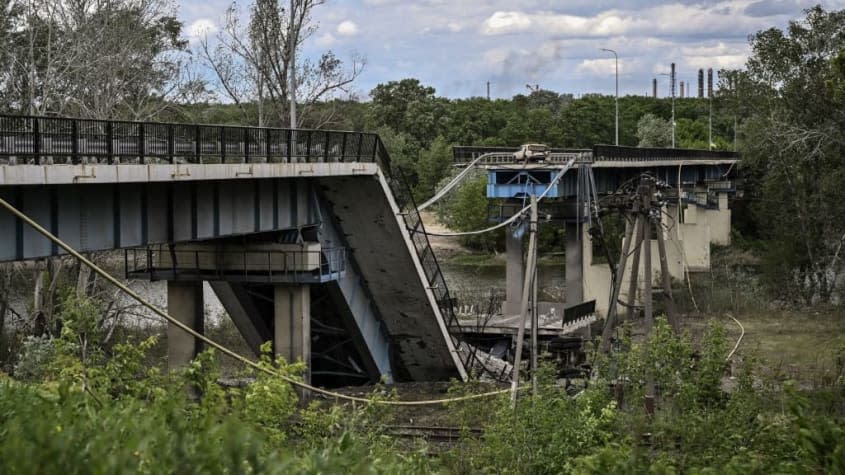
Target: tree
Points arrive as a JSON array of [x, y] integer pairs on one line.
[[434, 165], [93, 58], [652, 131], [792, 144], [255, 62], [411, 108], [466, 210]]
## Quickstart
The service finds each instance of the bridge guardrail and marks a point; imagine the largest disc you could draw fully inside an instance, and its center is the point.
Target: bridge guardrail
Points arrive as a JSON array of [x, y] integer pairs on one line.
[[617, 153], [291, 266], [413, 222], [51, 140], [462, 155]]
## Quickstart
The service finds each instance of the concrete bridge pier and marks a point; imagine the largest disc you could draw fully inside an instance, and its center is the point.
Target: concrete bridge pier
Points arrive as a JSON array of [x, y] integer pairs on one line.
[[514, 273], [292, 324], [575, 263], [185, 303]]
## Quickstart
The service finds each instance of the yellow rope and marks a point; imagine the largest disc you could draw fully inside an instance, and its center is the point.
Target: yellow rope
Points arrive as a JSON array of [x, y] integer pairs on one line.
[[221, 348]]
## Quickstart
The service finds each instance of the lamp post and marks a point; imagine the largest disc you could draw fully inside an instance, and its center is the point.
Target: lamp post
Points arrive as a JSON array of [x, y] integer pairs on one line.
[[672, 80], [616, 59]]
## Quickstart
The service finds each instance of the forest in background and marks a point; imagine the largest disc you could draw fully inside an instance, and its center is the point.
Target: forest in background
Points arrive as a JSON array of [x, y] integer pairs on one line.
[[87, 396]]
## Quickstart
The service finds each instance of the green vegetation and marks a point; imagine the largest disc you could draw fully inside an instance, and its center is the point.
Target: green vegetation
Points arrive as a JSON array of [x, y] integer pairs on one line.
[[98, 410]]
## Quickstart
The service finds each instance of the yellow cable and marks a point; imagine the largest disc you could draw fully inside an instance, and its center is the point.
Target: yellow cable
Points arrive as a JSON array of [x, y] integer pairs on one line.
[[221, 348]]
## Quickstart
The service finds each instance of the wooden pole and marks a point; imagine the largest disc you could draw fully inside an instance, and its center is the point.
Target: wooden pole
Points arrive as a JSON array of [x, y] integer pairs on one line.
[[646, 192], [535, 316], [526, 293], [671, 310], [635, 262], [614, 292]]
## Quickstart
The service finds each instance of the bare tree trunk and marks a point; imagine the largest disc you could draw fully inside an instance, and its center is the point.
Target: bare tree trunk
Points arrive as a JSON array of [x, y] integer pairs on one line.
[[39, 323], [83, 281], [5, 283]]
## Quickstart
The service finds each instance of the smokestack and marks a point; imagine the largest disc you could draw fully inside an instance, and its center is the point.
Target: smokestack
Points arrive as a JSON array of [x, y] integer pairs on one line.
[[672, 78], [710, 82], [682, 89], [700, 83], [654, 88]]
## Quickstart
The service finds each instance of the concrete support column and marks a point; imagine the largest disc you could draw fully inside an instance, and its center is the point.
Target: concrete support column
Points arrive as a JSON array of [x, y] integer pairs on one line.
[[184, 303], [292, 324], [574, 264], [514, 273]]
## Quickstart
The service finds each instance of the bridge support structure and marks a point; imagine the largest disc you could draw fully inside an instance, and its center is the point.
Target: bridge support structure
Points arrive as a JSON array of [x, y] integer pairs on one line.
[[292, 324], [185, 303]]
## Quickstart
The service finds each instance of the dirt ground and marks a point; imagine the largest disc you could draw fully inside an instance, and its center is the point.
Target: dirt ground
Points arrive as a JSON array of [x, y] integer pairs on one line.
[[444, 246]]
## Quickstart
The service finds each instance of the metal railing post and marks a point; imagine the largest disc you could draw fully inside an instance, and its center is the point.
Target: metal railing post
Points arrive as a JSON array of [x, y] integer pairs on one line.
[[36, 139], [74, 140], [222, 133], [198, 144], [142, 152], [171, 142], [109, 142]]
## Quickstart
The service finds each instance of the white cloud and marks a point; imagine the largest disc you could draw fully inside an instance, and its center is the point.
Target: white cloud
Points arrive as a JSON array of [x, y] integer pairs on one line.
[[600, 67], [200, 28], [347, 28], [506, 22], [325, 40]]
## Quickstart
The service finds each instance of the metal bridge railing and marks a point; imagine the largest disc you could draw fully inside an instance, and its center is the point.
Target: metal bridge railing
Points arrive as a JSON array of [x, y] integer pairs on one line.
[[434, 276], [289, 266], [617, 153], [54, 140], [462, 155]]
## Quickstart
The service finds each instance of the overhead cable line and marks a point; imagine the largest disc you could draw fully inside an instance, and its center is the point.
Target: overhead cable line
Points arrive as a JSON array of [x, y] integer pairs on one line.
[[517, 215], [226, 351]]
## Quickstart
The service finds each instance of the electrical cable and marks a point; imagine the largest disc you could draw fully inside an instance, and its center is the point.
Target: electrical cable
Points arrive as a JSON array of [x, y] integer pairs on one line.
[[226, 351], [454, 182], [517, 215], [739, 340]]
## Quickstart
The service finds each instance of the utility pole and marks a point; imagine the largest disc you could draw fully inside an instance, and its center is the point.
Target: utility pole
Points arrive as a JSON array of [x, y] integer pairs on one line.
[[672, 79], [530, 270], [535, 315], [616, 58], [710, 113], [673, 105], [292, 45]]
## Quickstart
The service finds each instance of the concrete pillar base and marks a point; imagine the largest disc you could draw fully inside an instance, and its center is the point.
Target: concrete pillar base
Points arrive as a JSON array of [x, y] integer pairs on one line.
[[575, 263], [514, 273], [292, 324], [185, 303]]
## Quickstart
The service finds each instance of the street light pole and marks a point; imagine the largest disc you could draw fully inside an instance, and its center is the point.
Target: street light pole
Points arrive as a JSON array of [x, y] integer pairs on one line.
[[616, 58], [672, 81]]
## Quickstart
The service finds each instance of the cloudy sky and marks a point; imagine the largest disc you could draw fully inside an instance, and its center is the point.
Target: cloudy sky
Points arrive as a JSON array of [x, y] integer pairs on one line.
[[458, 45]]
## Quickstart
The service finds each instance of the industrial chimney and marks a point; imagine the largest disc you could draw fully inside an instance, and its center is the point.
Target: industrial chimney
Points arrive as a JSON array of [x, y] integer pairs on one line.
[[654, 88], [700, 83], [672, 79], [710, 82], [682, 89]]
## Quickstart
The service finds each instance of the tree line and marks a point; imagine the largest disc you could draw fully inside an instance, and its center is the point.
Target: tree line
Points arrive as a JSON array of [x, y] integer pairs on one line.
[[784, 111]]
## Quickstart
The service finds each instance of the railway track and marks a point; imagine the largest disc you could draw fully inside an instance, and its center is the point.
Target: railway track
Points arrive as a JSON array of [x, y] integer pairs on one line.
[[433, 433]]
